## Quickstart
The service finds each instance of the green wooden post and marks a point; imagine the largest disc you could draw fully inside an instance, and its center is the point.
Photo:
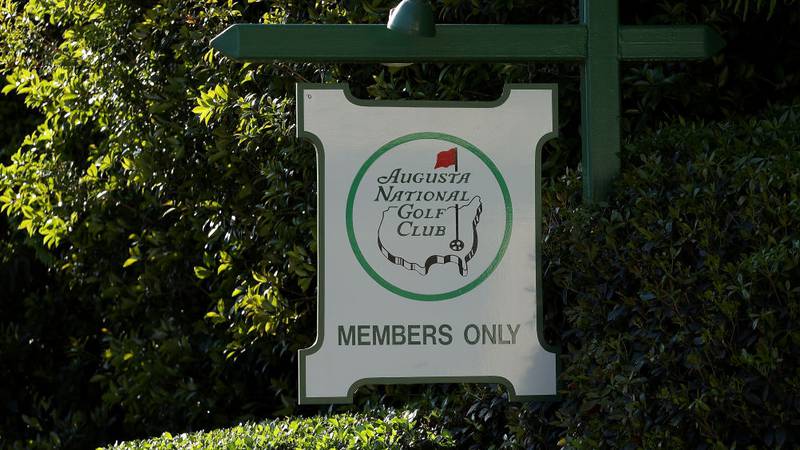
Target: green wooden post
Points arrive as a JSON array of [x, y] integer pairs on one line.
[[599, 42], [600, 98]]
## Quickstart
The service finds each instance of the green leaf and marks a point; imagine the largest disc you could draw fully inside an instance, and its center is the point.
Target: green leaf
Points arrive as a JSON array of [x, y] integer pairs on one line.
[[202, 272], [130, 261]]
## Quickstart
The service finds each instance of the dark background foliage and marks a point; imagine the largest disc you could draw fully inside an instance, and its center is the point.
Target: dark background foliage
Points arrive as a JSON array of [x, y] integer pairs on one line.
[[157, 264]]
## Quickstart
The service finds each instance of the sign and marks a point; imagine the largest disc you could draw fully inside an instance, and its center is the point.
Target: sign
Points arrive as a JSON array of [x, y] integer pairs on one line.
[[429, 226]]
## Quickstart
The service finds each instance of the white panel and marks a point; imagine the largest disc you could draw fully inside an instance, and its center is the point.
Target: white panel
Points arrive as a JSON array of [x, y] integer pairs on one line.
[[416, 272]]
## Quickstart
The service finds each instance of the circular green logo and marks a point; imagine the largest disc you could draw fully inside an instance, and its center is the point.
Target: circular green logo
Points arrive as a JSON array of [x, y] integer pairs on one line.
[[432, 218]]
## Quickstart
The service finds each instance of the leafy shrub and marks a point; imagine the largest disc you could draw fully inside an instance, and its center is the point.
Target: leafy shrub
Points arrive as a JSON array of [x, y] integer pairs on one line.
[[682, 298], [342, 431]]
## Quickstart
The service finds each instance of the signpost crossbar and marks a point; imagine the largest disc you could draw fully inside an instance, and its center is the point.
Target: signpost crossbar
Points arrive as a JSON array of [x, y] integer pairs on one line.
[[376, 43], [457, 43], [598, 42]]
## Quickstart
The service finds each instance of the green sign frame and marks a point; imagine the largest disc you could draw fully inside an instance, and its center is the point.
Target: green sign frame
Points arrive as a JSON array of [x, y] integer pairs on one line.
[[303, 354]]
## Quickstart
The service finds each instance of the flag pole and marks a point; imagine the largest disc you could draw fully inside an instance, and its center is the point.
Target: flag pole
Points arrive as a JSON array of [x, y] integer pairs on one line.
[[457, 221], [458, 239]]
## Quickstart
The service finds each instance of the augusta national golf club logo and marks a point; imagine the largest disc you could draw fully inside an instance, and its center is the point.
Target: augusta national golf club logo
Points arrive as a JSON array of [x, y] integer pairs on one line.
[[450, 208], [429, 216]]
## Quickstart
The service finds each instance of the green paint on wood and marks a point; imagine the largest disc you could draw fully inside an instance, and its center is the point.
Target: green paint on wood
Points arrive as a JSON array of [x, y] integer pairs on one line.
[[654, 43], [376, 43], [600, 99], [453, 43]]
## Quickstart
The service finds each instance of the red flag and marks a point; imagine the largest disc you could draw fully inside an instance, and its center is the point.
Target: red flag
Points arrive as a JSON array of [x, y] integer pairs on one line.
[[446, 158]]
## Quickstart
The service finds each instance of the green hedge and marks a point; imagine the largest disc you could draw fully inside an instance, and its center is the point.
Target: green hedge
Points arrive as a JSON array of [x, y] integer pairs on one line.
[[395, 430], [681, 299]]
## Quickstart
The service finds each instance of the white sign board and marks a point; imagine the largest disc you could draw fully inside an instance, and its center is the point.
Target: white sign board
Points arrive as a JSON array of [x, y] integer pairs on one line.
[[429, 226]]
